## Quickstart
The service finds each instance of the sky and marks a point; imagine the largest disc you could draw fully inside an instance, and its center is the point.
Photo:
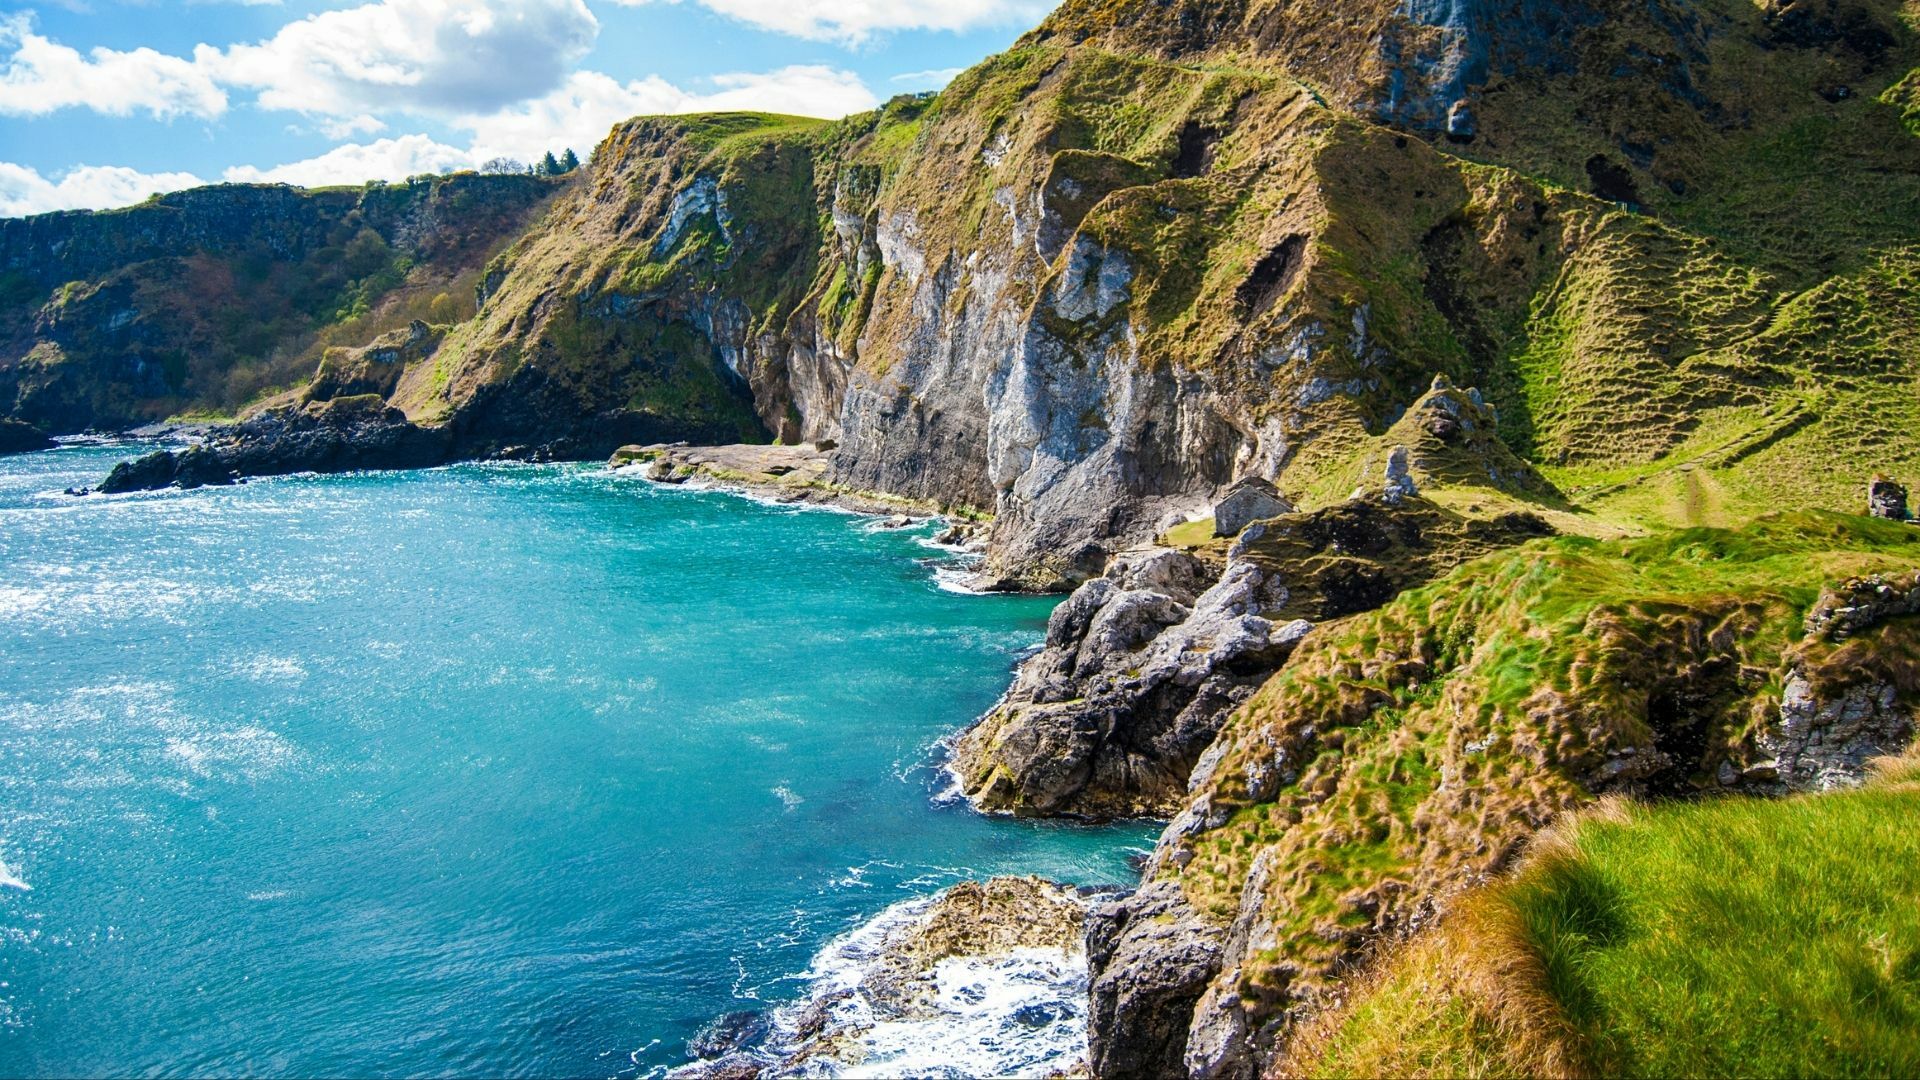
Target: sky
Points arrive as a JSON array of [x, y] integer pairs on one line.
[[105, 102]]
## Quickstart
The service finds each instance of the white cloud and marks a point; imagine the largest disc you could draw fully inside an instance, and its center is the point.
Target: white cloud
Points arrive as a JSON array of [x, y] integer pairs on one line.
[[42, 76], [357, 163], [352, 126], [428, 56], [88, 187], [579, 114], [432, 57], [854, 21]]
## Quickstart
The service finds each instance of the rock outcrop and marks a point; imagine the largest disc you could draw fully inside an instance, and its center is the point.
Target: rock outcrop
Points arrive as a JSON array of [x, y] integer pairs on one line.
[[339, 435], [1000, 962], [1847, 696], [1155, 957], [16, 437], [1139, 670], [1142, 666], [1410, 752], [1886, 499]]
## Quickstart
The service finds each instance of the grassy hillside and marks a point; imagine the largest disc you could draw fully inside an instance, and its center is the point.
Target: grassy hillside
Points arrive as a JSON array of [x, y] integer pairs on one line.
[[1408, 752], [1735, 937]]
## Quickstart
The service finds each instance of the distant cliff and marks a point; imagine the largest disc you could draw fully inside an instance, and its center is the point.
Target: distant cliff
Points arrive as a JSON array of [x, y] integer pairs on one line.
[[202, 301]]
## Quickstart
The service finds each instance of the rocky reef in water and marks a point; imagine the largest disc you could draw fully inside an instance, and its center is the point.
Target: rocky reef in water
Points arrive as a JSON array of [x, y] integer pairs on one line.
[[984, 979]]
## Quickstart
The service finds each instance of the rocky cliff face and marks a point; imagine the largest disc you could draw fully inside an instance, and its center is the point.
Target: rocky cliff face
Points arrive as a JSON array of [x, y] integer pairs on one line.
[[201, 301], [1153, 249], [1143, 665]]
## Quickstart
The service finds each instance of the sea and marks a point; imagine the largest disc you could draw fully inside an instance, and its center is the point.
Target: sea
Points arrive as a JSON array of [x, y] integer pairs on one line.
[[494, 769]]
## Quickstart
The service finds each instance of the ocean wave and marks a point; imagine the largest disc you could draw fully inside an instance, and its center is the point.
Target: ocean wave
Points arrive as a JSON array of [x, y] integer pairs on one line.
[[1017, 1013]]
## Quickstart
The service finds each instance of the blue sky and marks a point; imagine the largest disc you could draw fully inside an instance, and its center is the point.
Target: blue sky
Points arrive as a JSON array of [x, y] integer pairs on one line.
[[103, 102]]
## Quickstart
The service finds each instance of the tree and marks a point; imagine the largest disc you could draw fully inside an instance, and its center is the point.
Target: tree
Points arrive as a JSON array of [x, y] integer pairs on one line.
[[549, 166], [569, 161], [503, 166]]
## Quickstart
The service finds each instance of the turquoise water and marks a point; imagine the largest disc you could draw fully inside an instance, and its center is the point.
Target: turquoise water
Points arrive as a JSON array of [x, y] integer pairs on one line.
[[508, 770]]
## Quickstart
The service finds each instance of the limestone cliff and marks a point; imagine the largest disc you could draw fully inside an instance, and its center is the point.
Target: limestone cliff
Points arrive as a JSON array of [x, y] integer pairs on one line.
[[1157, 247]]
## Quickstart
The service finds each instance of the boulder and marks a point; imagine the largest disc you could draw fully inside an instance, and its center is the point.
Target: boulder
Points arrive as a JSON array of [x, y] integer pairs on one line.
[[1249, 499], [1886, 499]]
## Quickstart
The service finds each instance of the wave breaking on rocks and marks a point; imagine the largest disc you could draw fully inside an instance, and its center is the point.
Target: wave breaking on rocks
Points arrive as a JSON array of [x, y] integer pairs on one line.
[[984, 979]]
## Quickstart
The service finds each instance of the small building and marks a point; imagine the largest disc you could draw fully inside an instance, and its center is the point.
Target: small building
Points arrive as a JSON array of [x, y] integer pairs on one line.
[[1248, 499]]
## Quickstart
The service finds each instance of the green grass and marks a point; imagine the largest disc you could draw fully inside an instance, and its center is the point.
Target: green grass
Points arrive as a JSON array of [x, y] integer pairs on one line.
[[1190, 534], [1425, 741], [1739, 937], [1732, 937]]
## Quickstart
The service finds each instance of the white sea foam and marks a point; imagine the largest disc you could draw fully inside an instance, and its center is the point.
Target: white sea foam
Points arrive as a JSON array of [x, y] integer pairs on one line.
[[11, 880], [959, 577], [272, 669], [1018, 1014], [787, 797]]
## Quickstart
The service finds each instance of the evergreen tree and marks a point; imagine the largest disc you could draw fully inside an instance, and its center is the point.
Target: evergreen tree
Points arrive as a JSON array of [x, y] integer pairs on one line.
[[549, 166], [569, 161]]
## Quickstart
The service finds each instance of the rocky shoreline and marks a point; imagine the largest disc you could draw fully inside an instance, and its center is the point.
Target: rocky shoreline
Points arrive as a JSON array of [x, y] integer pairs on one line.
[[982, 979]]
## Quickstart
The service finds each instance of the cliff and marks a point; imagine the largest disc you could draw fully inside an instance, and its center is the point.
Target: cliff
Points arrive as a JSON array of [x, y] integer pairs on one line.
[[203, 301], [1154, 248], [1450, 277]]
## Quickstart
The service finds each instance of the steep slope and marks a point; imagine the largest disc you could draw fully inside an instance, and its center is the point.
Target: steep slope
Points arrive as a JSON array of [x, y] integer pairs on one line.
[[1733, 937], [1163, 245], [201, 301], [1154, 248], [1408, 753], [1106, 273]]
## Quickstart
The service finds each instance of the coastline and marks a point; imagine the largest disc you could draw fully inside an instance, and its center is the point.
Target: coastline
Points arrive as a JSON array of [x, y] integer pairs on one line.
[[780, 475], [980, 978]]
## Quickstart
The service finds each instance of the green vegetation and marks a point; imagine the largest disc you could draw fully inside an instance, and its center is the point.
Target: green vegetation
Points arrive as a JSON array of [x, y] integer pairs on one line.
[[1519, 679], [1732, 937], [269, 281]]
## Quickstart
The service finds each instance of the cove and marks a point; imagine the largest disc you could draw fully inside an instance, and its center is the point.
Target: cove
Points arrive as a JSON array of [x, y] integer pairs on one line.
[[508, 770]]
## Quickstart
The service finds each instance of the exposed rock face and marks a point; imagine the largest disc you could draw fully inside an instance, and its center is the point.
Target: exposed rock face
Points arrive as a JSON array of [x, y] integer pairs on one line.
[[1153, 957], [1836, 714], [1886, 499], [1142, 666], [376, 368], [1397, 759], [1140, 669], [1132, 259]]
